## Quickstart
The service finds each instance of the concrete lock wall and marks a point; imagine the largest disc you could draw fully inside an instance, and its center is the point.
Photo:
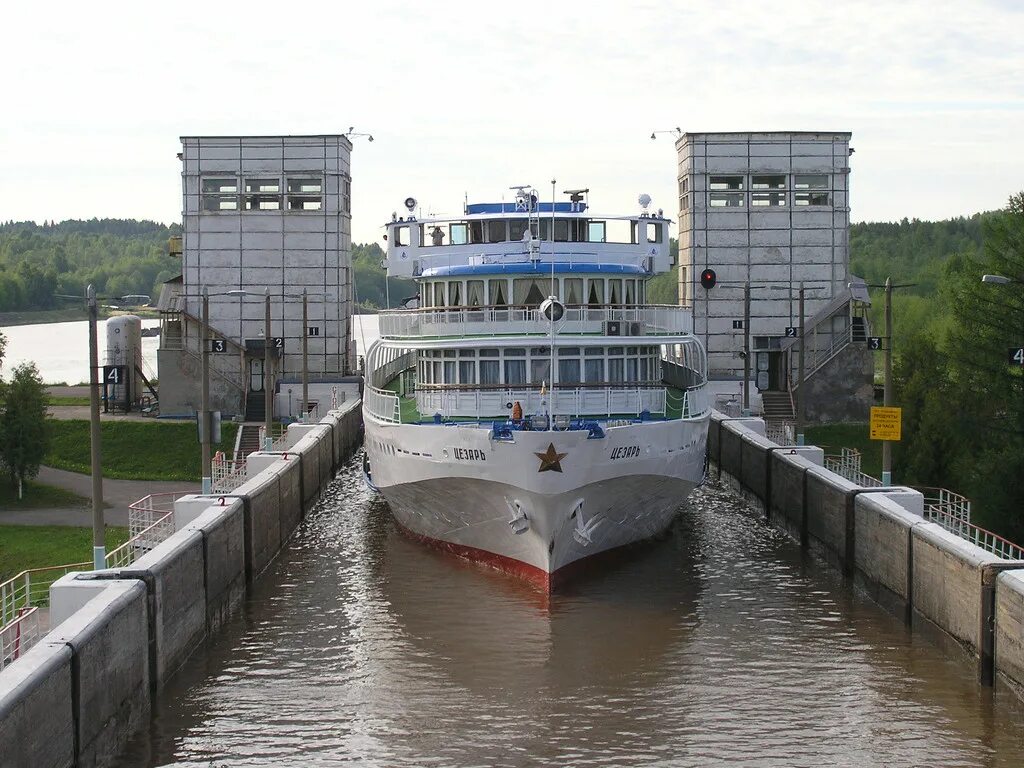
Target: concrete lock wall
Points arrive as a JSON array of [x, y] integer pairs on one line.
[[37, 725], [120, 634], [881, 539], [110, 670], [1009, 626]]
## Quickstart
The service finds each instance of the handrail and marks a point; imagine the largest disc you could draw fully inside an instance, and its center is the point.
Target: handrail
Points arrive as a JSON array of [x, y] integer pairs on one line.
[[653, 320], [26, 589], [18, 636]]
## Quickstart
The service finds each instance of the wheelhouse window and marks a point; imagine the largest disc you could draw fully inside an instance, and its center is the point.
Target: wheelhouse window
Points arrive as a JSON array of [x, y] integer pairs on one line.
[[561, 230], [497, 232], [595, 232], [401, 236], [517, 229], [655, 232], [458, 234]]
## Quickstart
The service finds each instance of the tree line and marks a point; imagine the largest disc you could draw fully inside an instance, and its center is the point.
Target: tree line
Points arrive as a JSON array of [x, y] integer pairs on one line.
[[118, 256]]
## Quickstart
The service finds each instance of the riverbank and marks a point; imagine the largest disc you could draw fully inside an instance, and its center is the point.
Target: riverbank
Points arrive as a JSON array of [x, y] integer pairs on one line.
[[66, 315]]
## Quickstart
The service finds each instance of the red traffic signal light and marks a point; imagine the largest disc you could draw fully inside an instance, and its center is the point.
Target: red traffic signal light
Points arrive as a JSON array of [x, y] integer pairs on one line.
[[708, 278]]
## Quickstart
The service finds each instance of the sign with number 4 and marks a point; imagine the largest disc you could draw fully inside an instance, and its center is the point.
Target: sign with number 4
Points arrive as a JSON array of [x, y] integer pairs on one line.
[[1016, 355]]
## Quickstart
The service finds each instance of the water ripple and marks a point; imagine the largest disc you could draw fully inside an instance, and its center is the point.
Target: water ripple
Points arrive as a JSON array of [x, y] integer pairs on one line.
[[720, 644]]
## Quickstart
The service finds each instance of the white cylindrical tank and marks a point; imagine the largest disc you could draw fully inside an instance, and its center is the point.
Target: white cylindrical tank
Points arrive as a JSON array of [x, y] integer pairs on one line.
[[124, 347]]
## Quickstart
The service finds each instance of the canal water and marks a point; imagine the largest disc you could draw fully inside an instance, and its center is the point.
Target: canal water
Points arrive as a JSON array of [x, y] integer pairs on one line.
[[720, 644]]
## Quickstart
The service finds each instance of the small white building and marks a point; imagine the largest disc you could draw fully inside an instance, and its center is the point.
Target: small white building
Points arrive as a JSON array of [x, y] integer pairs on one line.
[[771, 210], [260, 213]]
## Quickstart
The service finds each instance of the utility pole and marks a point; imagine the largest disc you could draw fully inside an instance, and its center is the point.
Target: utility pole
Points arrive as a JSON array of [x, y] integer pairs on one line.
[[204, 405], [99, 547], [887, 397], [800, 399], [268, 394], [746, 348], [305, 356]]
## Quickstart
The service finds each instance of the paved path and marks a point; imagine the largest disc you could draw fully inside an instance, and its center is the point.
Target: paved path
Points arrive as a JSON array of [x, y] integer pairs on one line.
[[117, 496]]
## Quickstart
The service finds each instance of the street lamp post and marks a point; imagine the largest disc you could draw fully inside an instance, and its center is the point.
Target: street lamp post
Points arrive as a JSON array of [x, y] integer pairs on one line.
[[99, 547], [204, 405], [305, 355], [746, 348], [268, 394], [800, 398]]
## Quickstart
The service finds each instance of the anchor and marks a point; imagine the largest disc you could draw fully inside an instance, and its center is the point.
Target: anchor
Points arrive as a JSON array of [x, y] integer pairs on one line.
[[519, 523], [584, 529]]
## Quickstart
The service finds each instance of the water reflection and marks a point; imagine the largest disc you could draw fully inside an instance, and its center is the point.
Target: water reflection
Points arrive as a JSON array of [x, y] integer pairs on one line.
[[720, 644]]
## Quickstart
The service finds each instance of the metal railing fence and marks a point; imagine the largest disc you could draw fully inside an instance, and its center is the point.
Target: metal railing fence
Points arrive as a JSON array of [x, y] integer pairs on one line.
[[227, 475], [780, 432], [641, 320], [150, 522], [847, 463], [19, 635], [990, 542], [31, 588]]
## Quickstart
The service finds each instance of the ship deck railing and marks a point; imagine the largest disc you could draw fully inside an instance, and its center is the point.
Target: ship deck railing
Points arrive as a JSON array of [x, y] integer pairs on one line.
[[467, 405], [462, 322]]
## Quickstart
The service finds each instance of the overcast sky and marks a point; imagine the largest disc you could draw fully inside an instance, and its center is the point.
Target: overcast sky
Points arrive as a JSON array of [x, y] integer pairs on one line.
[[464, 99]]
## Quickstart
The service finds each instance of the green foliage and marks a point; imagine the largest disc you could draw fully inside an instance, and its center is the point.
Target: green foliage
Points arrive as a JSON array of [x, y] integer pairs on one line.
[[964, 404], [148, 450], [370, 277], [24, 437], [39, 546], [118, 256]]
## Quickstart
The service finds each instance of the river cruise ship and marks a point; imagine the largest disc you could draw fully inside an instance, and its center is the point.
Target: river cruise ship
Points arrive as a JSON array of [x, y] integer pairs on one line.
[[528, 408]]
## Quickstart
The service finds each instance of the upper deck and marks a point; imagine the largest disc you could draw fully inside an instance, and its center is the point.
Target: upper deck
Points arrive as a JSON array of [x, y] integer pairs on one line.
[[523, 232]]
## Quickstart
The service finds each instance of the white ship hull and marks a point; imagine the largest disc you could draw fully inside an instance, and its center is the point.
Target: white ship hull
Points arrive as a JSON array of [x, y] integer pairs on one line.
[[542, 502]]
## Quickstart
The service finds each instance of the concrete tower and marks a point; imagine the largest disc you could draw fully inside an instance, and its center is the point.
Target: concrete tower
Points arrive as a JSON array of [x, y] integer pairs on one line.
[[261, 213], [772, 210]]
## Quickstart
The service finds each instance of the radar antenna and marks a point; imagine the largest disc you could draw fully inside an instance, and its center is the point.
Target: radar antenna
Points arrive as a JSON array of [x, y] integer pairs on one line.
[[576, 196]]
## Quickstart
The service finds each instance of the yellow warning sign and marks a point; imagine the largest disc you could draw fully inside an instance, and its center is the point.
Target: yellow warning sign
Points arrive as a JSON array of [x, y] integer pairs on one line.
[[885, 423]]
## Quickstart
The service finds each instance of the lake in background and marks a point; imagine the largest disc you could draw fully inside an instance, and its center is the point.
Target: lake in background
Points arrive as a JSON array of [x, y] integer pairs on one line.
[[61, 350]]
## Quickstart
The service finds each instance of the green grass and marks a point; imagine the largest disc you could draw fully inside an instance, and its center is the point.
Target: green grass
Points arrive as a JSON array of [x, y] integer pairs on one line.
[[833, 437], [37, 496], [39, 546], [146, 450], [66, 400]]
